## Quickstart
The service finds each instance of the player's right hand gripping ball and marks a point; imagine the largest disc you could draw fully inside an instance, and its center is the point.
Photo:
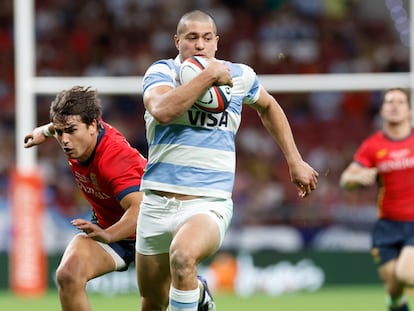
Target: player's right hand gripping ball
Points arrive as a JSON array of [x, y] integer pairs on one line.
[[217, 97]]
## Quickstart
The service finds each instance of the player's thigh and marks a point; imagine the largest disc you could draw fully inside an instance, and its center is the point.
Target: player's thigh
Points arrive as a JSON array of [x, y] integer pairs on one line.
[[202, 224], [86, 258], [153, 276], [198, 237], [405, 265]]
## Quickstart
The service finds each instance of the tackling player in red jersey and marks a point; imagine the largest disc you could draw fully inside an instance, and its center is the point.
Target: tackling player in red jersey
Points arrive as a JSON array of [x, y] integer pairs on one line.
[[108, 171], [394, 160], [387, 157]]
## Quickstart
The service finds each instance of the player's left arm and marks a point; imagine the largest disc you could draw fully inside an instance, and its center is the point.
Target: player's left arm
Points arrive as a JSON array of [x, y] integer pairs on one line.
[[275, 121], [124, 228]]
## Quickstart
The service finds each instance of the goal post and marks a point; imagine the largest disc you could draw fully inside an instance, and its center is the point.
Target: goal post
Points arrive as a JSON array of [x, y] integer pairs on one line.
[[27, 258], [272, 83]]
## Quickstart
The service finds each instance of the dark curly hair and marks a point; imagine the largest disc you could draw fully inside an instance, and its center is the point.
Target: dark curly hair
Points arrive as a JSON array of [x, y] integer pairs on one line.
[[77, 101]]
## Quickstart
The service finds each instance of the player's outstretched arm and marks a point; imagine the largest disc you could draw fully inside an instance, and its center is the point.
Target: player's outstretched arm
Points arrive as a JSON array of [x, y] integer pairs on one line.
[[39, 135], [355, 176], [303, 176]]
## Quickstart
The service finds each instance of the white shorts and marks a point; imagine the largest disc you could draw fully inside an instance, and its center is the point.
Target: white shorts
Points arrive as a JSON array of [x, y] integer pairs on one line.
[[159, 217]]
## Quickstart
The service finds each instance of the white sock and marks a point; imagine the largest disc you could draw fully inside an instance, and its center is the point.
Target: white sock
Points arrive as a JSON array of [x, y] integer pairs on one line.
[[184, 300]]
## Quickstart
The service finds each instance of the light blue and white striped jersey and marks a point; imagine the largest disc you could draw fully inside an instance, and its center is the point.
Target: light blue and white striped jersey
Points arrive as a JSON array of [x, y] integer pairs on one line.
[[195, 154]]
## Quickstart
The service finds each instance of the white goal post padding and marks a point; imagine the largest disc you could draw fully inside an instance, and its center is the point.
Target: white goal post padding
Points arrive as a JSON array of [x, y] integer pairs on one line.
[[272, 83]]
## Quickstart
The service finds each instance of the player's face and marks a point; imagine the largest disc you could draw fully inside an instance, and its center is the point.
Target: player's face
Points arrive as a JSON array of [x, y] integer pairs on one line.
[[396, 109], [77, 139], [197, 39]]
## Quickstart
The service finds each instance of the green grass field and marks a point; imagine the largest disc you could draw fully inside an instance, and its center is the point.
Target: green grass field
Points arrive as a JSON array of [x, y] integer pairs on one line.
[[341, 298]]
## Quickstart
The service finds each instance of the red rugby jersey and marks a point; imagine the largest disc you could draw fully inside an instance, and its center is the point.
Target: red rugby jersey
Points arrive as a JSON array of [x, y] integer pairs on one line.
[[394, 160], [114, 170]]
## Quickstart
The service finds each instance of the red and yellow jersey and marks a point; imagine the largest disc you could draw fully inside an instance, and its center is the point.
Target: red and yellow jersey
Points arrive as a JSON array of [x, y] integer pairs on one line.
[[114, 170], [394, 160]]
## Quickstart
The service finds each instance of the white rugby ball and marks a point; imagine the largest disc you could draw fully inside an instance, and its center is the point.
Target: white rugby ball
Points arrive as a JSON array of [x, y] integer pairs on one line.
[[217, 97]]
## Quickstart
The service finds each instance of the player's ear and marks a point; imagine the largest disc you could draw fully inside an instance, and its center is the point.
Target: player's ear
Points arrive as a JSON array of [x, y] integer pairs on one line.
[[95, 126], [176, 41]]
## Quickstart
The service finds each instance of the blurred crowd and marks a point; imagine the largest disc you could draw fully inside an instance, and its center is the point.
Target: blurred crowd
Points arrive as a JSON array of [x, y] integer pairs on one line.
[[123, 37]]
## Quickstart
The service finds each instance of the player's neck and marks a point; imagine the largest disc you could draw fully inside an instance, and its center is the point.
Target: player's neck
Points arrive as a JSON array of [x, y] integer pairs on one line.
[[397, 131]]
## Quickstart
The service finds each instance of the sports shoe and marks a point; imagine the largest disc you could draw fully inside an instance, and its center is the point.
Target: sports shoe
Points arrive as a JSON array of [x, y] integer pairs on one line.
[[207, 303], [403, 307]]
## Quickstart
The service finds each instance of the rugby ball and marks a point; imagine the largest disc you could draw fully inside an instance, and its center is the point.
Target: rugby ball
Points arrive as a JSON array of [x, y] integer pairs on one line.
[[217, 97]]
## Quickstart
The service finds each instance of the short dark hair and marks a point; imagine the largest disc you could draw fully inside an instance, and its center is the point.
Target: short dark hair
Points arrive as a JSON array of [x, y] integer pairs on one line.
[[77, 101], [195, 15]]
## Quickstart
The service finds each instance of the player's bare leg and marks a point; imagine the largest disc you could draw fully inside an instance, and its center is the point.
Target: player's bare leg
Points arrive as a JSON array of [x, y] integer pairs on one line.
[[153, 276], [83, 260], [404, 268], [394, 287], [196, 240]]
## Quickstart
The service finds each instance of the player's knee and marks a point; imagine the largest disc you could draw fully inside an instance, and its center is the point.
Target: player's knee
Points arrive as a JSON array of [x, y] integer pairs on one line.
[[65, 276], [182, 262]]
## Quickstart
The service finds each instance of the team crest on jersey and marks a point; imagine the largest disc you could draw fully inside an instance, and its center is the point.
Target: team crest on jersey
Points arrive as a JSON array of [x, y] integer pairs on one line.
[[381, 153]]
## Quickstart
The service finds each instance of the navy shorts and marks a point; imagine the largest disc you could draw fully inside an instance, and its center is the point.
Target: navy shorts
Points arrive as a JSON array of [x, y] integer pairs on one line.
[[123, 252], [389, 237], [126, 250]]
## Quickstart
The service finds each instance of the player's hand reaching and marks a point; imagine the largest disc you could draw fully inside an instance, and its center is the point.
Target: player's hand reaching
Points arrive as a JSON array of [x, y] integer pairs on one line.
[[92, 231], [36, 137], [304, 177]]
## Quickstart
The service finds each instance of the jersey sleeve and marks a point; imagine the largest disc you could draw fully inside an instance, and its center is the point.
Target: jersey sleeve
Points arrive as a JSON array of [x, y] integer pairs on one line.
[[159, 73], [125, 176], [251, 84], [365, 154]]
